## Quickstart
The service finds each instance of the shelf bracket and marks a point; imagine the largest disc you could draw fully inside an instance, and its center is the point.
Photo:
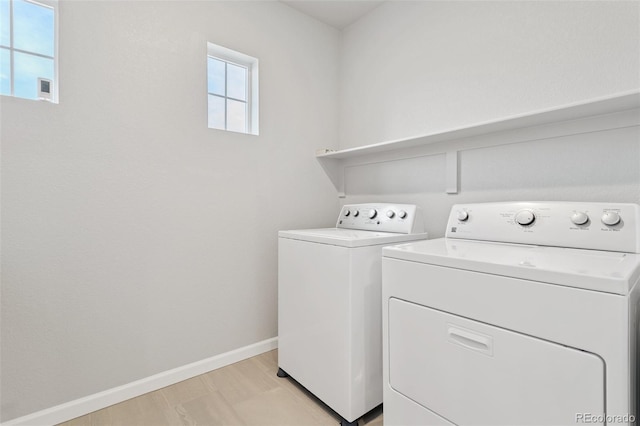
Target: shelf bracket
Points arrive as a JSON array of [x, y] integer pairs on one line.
[[340, 184], [335, 170], [451, 170]]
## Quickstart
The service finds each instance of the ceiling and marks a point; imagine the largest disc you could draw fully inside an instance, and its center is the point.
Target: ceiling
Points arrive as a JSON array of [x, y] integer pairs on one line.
[[336, 13]]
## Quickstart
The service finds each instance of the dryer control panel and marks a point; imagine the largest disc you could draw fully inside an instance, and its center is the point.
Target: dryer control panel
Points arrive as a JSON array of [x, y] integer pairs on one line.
[[398, 218], [596, 226]]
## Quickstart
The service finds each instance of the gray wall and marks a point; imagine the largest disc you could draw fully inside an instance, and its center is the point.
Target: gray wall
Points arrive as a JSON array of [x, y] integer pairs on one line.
[[415, 68], [134, 238]]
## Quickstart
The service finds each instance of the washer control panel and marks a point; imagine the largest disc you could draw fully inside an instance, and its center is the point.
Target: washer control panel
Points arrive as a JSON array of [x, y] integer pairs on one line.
[[398, 218], [597, 226]]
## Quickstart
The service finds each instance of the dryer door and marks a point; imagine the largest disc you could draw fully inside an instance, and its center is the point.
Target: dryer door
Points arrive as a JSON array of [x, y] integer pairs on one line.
[[472, 373]]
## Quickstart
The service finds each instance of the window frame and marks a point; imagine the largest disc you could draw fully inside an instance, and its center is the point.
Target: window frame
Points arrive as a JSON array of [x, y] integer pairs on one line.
[[54, 5], [249, 63]]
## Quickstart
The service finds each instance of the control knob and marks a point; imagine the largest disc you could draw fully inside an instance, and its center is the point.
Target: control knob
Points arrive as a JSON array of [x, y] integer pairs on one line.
[[347, 212], [610, 218], [373, 213], [390, 214], [463, 215], [525, 217], [579, 218], [356, 213], [402, 214]]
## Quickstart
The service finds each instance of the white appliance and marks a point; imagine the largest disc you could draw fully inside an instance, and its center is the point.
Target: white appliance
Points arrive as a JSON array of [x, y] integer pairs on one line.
[[329, 314], [526, 313]]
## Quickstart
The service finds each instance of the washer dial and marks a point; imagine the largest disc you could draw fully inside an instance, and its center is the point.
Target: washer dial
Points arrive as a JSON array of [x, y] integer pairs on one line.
[[525, 217], [610, 218], [579, 218], [463, 215]]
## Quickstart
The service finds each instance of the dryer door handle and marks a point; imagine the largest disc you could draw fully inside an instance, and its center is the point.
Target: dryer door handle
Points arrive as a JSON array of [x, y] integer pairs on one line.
[[470, 339]]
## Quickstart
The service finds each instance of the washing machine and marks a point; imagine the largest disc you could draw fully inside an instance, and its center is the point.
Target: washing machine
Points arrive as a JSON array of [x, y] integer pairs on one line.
[[524, 314], [329, 313]]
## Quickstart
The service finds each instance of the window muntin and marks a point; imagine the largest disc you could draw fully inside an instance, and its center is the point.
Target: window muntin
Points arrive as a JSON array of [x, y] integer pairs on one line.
[[232, 90], [28, 46]]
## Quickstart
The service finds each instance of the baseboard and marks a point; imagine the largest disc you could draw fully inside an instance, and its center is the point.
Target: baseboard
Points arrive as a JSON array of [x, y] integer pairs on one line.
[[80, 407]]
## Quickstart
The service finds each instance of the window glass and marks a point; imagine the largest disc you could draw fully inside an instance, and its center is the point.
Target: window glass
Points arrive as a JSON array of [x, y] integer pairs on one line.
[[236, 82], [216, 76], [5, 72], [216, 112], [5, 29], [236, 116], [33, 27], [27, 69]]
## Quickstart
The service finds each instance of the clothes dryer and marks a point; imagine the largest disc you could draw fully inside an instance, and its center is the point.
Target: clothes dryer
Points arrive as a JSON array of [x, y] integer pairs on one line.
[[329, 313], [524, 314]]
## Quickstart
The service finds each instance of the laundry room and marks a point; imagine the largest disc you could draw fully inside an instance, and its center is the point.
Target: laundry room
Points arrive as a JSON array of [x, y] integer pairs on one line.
[[158, 156]]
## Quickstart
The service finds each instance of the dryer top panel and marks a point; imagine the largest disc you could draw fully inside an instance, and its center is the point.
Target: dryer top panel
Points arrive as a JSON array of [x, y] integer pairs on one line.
[[603, 271], [595, 226]]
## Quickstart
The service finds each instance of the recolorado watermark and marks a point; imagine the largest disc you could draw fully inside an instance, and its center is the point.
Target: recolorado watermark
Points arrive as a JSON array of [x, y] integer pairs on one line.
[[604, 418]]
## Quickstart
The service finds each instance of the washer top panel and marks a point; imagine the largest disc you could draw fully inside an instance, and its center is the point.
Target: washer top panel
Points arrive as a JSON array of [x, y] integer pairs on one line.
[[349, 237]]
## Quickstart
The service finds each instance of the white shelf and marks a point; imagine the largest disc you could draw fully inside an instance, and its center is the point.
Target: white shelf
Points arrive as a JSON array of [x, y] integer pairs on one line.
[[621, 110]]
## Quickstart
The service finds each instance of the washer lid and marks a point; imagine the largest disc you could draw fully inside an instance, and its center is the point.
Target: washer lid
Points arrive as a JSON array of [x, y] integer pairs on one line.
[[349, 237], [609, 272]]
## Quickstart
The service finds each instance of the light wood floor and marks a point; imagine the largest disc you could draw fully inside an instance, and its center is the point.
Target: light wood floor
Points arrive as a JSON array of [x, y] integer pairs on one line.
[[244, 393]]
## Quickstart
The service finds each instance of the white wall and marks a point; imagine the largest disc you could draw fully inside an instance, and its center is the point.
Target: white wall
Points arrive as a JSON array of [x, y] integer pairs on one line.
[[134, 238], [415, 68]]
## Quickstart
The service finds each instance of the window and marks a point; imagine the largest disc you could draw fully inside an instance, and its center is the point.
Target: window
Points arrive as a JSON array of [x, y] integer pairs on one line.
[[232, 87], [28, 48]]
